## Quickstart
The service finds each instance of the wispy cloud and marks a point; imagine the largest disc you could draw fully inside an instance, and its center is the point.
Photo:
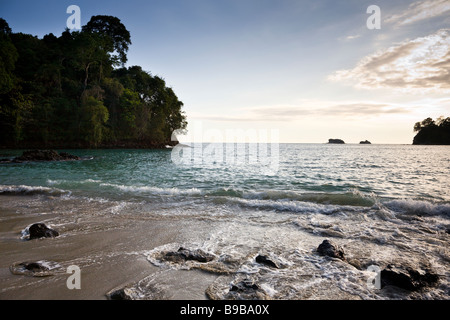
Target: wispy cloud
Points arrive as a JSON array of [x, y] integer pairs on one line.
[[420, 10], [352, 37], [418, 65], [309, 108]]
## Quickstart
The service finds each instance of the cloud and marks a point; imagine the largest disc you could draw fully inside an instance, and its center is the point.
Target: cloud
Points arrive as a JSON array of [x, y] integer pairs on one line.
[[352, 37], [418, 65], [309, 108], [420, 10]]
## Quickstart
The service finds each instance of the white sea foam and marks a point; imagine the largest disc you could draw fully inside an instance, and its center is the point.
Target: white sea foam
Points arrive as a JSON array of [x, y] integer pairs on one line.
[[418, 207], [31, 190], [154, 190], [62, 181]]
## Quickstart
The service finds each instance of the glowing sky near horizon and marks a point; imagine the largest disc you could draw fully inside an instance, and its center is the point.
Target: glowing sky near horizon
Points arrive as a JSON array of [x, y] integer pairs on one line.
[[310, 69]]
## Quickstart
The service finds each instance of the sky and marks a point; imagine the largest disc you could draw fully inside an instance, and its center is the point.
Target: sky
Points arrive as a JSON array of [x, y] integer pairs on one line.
[[288, 70]]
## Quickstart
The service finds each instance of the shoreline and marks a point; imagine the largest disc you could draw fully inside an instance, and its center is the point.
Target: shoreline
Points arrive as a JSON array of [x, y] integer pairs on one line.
[[128, 248], [110, 254]]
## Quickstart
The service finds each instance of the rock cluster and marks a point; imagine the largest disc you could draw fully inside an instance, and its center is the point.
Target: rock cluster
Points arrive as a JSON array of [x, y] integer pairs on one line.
[[185, 255], [330, 249], [40, 230], [44, 155]]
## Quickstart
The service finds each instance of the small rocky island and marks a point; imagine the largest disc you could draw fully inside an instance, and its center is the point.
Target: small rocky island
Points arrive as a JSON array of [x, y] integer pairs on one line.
[[336, 141], [42, 155], [365, 142]]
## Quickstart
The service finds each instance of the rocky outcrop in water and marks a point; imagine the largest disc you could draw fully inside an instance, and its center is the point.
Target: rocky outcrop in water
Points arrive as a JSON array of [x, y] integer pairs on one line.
[[246, 289], [144, 289], [44, 155], [408, 278], [40, 268], [241, 288], [185, 255], [40, 230], [336, 141], [330, 249], [365, 142], [265, 260], [122, 294]]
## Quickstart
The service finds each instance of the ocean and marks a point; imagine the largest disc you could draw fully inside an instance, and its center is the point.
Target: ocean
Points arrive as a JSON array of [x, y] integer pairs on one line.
[[383, 204]]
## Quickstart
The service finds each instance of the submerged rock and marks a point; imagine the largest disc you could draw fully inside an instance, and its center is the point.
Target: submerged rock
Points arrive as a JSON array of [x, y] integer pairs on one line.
[[40, 230], [262, 259], [240, 288], [185, 254], [244, 285], [45, 155], [408, 278], [40, 268], [330, 249], [144, 289], [246, 289], [123, 294]]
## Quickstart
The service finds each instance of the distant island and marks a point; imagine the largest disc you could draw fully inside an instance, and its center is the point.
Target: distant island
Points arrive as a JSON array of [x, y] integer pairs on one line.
[[365, 142], [336, 141], [74, 91], [430, 132]]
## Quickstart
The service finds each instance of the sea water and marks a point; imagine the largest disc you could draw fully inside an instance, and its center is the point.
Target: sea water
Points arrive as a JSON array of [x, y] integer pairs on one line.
[[384, 204]]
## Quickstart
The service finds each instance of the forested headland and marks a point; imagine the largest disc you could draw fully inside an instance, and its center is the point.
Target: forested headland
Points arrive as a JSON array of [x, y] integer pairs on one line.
[[430, 131], [74, 91]]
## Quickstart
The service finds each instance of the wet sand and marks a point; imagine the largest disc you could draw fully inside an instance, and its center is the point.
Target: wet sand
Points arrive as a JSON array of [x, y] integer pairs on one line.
[[119, 244], [110, 253]]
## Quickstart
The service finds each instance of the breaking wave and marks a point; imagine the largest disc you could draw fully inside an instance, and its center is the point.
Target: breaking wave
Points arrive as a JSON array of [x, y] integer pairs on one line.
[[31, 190]]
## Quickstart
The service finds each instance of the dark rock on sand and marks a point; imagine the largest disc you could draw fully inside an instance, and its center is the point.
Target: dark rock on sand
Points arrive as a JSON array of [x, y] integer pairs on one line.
[[241, 288], [365, 142], [246, 289], [44, 155], [40, 230], [244, 285], [336, 141], [144, 289], [262, 259], [40, 268], [34, 266], [330, 249], [408, 278], [122, 294], [185, 254]]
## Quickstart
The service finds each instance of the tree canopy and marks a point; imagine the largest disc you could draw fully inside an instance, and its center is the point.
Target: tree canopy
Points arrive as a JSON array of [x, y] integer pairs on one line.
[[75, 91], [432, 132]]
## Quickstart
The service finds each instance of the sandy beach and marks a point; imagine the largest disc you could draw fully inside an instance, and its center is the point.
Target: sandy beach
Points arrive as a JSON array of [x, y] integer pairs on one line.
[[116, 247], [110, 254]]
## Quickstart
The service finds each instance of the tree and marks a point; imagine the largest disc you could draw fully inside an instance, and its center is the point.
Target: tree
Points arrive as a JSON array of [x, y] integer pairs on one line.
[[95, 115], [68, 91], [8, 58], [114, 34], [428, 122]]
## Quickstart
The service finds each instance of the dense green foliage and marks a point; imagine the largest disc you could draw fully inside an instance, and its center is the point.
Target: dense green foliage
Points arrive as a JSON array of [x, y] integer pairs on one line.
[[432, 132], [74, 91]]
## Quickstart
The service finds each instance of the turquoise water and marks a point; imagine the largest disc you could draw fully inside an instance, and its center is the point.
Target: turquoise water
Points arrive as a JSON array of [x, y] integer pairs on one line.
[[340, 174], [384, 203]]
